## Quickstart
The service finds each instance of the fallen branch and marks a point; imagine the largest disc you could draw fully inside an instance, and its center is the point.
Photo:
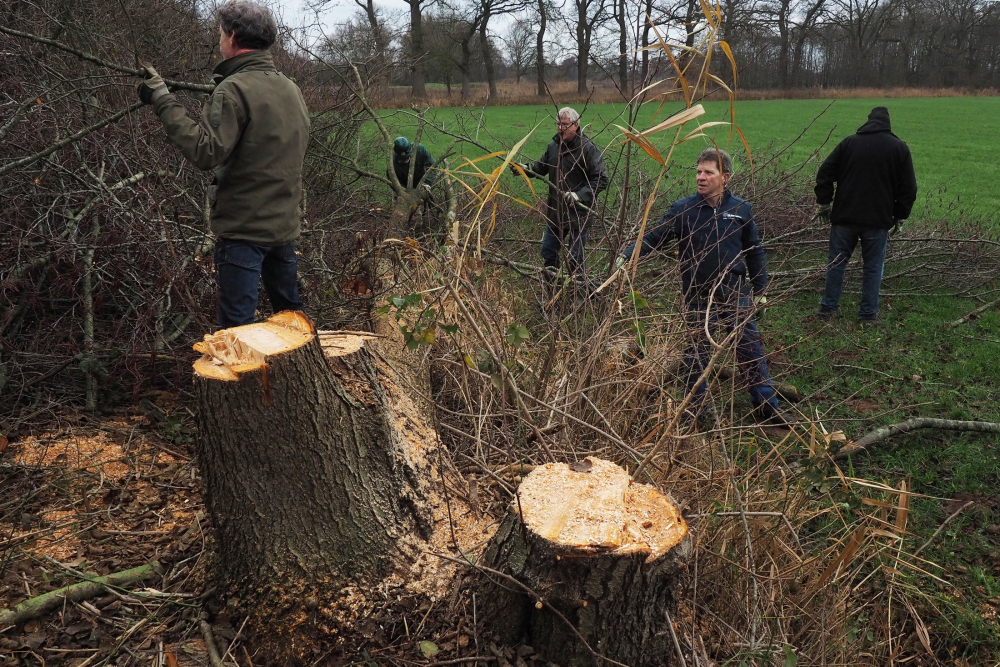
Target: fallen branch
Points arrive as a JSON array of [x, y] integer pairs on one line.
[[973, 315], [213, 648], [37, 606], [917, 423]]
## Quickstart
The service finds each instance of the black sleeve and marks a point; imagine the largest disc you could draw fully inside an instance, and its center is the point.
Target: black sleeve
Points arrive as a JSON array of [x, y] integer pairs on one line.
[[667, 229], [827, 175], [597, 175], [906, 192], [754, 254], [542, 166]]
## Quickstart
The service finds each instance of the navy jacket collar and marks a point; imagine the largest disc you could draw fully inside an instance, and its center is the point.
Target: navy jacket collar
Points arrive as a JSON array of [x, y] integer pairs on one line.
[[727, 197]]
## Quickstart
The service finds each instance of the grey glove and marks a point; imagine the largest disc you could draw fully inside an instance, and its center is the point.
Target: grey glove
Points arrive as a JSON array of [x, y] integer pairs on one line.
[[426, 186], [571, 198], [153, 88], [823, 214], [897, 227], [620, 262], [523, 165]]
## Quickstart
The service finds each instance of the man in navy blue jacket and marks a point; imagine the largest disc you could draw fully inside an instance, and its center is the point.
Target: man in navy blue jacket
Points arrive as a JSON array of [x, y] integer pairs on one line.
[[722, 275]]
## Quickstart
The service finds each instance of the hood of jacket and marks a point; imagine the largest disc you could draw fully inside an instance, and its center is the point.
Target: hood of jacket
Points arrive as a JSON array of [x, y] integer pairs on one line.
[[878, 121]]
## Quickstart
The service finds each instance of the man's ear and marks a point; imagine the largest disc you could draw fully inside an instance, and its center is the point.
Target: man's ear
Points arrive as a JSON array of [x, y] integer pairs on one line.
[[725, 178]]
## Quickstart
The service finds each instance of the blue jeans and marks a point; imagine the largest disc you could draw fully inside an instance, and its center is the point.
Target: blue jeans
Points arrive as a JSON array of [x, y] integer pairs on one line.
[[553, 240], [239, 268], [752, 364], [843, 240]]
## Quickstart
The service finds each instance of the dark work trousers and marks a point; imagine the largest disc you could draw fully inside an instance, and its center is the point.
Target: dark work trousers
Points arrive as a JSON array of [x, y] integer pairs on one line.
[[573, 237], [843, 240], [734, 309], [239, 268]]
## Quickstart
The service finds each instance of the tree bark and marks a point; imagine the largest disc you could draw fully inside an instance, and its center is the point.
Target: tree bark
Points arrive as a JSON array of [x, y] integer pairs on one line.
[[646, 18], [623, 79], [540, 49], [582, 46], [417, 52], [310, 485], [601, 556], [487, 51]]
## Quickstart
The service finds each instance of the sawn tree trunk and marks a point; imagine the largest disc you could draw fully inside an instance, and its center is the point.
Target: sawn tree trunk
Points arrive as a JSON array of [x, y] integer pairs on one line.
[[310, 486], [603, 552]]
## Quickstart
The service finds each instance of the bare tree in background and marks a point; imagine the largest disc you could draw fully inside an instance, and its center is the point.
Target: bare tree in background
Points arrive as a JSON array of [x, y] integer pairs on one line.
[[543, 13], [520, 46], [418, 53], [588, 15]]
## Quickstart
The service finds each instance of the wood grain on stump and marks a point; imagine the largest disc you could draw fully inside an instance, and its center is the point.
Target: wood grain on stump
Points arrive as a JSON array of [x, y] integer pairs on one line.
[[602, 551], [309, 482]]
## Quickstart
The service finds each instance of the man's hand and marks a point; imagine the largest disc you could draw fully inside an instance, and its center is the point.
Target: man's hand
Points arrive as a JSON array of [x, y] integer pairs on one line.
[[897, 227], [571, 198], [523, 165], [620, 262], [426, 187], [760, 301], [153, 88], [823, 214]]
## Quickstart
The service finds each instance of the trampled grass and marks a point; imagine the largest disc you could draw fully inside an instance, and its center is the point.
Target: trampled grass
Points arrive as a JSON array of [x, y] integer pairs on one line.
[[955, 172]]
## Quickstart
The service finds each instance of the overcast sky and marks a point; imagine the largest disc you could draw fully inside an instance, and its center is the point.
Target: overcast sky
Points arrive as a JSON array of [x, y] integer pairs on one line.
[[296, 13]]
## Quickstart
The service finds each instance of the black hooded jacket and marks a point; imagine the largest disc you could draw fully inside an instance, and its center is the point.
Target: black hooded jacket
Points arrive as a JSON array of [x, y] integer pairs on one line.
[[573, 166], [873, 173]]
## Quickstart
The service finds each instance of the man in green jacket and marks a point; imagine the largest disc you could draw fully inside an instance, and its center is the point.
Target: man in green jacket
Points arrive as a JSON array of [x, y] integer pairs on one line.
[[402, 150], [253, 133]]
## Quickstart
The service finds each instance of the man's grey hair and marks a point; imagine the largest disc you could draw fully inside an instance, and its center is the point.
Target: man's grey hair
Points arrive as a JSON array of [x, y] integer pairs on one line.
[[570, 114], [252, 23], [719, 157]]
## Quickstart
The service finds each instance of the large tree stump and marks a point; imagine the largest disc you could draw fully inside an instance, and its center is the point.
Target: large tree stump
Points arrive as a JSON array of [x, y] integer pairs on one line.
[[310, 487], [602, 551]]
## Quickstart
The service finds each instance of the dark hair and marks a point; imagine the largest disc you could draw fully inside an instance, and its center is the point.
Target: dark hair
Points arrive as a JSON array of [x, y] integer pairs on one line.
[[252, 24], [719, 157]]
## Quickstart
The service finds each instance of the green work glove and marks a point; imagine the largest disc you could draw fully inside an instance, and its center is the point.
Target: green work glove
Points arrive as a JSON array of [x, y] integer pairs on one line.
[[620, 262], [153, 88], [571, 198], [823, 214], [760, 301], [897, 227]]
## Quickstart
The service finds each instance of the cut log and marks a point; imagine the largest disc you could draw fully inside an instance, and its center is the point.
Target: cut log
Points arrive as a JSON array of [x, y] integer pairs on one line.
[[310, 488], [603, 552]]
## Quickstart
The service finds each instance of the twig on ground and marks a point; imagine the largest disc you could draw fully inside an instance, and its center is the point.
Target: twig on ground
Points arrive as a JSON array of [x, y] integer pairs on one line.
[[209, 637], [886, 432], [968, 317], [941, 527], [37, 606]]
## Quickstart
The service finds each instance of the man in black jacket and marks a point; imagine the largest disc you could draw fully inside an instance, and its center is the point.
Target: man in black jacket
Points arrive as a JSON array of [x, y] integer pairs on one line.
[[875, 190], [576, 174]]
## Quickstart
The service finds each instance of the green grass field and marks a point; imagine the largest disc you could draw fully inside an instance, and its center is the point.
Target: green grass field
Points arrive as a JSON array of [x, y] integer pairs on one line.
[[946, 137]]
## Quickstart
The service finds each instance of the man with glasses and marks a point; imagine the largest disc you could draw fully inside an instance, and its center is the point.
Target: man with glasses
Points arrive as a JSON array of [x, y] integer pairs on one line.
[[576, 174]]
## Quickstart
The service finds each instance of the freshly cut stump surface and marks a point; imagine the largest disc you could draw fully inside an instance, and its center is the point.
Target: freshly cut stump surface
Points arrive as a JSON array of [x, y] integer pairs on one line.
[[602, 551]]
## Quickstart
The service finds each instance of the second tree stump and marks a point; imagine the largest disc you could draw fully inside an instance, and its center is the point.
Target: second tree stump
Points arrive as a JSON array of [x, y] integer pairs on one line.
[[602, 551]]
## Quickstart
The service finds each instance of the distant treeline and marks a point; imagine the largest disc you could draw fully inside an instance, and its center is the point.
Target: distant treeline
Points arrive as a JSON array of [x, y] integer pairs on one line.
[[777, 44]]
